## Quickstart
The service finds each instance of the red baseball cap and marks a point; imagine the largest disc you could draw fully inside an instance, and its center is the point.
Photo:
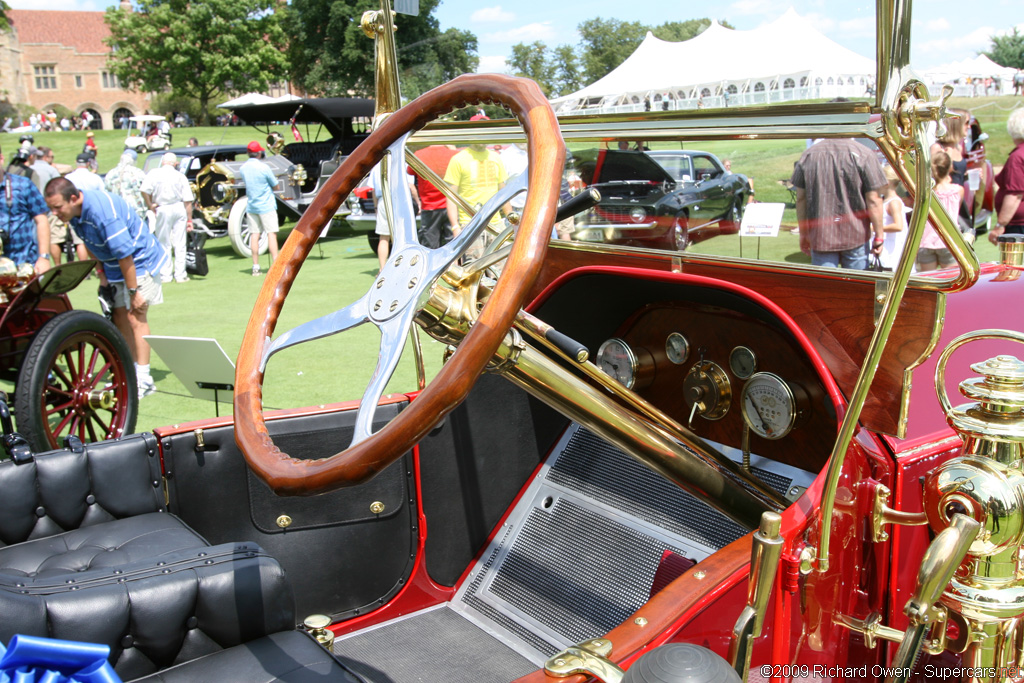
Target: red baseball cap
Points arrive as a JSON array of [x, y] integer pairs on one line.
[[479, 117], [255, 147]]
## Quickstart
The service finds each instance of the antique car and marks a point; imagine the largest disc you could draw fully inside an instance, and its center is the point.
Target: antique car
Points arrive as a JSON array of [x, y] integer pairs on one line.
[[337, 124], [661, 199], [769, 482], [144, 134], [206, 221], [72, 370]]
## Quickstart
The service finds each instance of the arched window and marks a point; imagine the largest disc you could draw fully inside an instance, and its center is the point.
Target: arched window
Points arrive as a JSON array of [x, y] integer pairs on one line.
[[803, 81], [680, 95], [97, 122], [818, 81], [705, 92], [788, 83], [862, 81], [759, 87], [849, 81], [121, 114], [636, 99], [732, 90]]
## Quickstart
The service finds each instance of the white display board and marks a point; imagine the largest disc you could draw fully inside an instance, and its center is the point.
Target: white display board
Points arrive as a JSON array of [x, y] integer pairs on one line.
[[195, 360], [762, 219]]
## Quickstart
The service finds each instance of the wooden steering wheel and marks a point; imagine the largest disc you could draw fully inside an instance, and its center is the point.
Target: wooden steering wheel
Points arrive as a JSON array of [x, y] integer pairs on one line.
[[400, 290]]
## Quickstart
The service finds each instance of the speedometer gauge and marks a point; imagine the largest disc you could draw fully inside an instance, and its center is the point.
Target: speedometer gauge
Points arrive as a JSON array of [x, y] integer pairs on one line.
[[618, 361], [769, 408]]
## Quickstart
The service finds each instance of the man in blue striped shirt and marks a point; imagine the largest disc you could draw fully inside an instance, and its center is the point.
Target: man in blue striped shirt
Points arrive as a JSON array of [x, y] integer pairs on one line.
[[130, 255], [23, 218]]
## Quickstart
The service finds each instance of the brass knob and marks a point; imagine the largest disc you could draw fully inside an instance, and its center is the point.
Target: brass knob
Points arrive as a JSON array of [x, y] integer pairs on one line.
[[376, 507], [284, 521], [317, 625]]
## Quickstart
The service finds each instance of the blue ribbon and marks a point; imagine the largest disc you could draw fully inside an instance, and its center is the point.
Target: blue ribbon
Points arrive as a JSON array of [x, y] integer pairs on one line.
[[29, 659]]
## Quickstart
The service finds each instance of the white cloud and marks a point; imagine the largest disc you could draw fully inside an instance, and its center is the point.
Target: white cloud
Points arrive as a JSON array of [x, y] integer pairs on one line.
[[528, 33], [746, 7], [491, 14], [936, 25], [821, 22], [492, 64], [978, 39], [861, 27]]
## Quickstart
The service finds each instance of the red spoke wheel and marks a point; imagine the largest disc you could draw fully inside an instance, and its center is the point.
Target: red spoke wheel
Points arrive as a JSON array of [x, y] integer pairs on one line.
[[77, 378]]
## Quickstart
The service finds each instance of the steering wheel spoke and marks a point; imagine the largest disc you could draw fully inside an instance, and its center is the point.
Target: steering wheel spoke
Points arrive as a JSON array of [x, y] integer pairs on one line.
[[353, 315], [393, 334], [396, 201], [479, 223]]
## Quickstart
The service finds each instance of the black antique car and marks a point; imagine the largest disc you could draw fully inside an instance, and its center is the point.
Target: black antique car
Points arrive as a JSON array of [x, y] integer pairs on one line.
[[659, 199], [333, 127]]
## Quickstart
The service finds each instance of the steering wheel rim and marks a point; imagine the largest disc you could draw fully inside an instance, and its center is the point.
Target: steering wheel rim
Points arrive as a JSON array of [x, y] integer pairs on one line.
[[362, 460]]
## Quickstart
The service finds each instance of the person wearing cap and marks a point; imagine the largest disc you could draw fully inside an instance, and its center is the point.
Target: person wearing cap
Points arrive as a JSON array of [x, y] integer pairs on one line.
[[130, 260], [125, 180], [90, 143], [82, 177], [261, 206], [166, 192], [23, 216], [22, 165]]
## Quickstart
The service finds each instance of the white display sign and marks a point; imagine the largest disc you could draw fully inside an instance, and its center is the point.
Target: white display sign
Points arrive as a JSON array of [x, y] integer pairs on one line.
[[762, 219]]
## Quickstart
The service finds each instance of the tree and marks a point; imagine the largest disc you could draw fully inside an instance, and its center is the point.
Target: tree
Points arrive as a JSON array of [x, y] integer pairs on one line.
[[568, 78], [331, 55], [605, 43], [203, 49], [5, 23], [1008, 50], [678, 31], [534, 62]]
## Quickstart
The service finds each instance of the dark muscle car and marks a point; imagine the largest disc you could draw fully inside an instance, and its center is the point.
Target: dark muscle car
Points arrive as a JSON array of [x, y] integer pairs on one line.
[[659, 199]]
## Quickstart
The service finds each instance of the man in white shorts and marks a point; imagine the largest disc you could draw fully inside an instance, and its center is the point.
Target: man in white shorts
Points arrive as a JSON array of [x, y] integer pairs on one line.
[[261, 207], [166, 192]]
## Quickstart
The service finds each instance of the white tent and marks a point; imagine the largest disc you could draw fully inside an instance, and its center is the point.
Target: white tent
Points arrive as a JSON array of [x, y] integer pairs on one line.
[[718, 68], [968, 75]]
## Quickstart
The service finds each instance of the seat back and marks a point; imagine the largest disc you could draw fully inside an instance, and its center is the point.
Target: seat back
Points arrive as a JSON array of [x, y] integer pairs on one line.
[[64, 490]]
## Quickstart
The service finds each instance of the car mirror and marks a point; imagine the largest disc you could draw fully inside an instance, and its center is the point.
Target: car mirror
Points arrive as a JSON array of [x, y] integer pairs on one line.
[[705, 176]]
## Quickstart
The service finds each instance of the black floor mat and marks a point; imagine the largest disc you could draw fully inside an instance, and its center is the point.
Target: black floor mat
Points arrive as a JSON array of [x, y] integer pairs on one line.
[[433, 646]]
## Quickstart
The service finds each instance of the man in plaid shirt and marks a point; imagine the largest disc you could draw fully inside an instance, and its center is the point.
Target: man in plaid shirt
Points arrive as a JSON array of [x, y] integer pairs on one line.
[[23, 218]]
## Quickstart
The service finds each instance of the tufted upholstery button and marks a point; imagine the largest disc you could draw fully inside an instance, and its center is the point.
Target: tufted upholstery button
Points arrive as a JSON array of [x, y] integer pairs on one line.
[[192, 622], [160, 564], [127, 641], [40, 511], [90, 499], [202, 554]]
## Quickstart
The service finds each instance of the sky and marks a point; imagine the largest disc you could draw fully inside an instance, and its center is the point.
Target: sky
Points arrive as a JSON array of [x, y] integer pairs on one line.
[[943, 31]]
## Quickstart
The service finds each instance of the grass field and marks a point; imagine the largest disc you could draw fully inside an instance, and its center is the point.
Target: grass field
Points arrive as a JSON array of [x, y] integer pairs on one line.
[[337, 368]]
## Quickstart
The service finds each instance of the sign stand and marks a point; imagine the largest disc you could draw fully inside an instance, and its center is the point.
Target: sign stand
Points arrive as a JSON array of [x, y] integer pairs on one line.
[[761, 219], [200, 364]]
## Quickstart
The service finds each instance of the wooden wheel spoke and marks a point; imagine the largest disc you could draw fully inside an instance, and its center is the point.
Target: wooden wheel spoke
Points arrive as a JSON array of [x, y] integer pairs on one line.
[[62, 376], [60, 408], [72, 368], [96, 378], [106, 428], [91, 365], [64, 423]]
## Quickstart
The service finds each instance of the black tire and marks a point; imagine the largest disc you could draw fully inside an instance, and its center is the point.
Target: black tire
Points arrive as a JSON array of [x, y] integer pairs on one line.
[[679, 234], [53, 398], [731, 223]]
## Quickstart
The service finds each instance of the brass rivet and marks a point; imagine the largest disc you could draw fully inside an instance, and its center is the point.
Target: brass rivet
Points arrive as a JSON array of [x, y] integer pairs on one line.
[[640, 621], [394, 305], [398, 261], [699, 575], [376, 507], [376, 306], [880, 298], [380, 283], [414, 260], [284, 521], [412, 282]]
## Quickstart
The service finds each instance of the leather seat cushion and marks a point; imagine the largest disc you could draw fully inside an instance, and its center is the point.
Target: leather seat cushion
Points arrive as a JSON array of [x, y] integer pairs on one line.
[[110, 544], [288, 657]]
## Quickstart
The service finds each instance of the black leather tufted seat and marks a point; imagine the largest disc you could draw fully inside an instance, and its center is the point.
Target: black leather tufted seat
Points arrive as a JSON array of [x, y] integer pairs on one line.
[[289, 657], [90, 553]]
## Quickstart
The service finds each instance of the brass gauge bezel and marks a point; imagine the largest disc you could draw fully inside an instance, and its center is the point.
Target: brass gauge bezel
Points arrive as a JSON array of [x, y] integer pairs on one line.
[[634, 363], [670, 354], [789, 415], [738, 352], [707, 383]]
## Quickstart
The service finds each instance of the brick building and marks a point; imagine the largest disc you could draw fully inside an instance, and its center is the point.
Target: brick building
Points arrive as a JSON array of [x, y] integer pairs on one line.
[[52, 58]]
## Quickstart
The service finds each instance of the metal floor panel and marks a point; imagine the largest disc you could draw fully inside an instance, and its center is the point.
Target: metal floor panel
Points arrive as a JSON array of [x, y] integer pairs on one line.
[[574, 559]]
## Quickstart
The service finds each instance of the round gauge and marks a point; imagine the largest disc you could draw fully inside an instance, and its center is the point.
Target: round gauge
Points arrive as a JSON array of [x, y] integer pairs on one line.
[[677, 348], [618, 361], [769, 408], [742, 362]]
